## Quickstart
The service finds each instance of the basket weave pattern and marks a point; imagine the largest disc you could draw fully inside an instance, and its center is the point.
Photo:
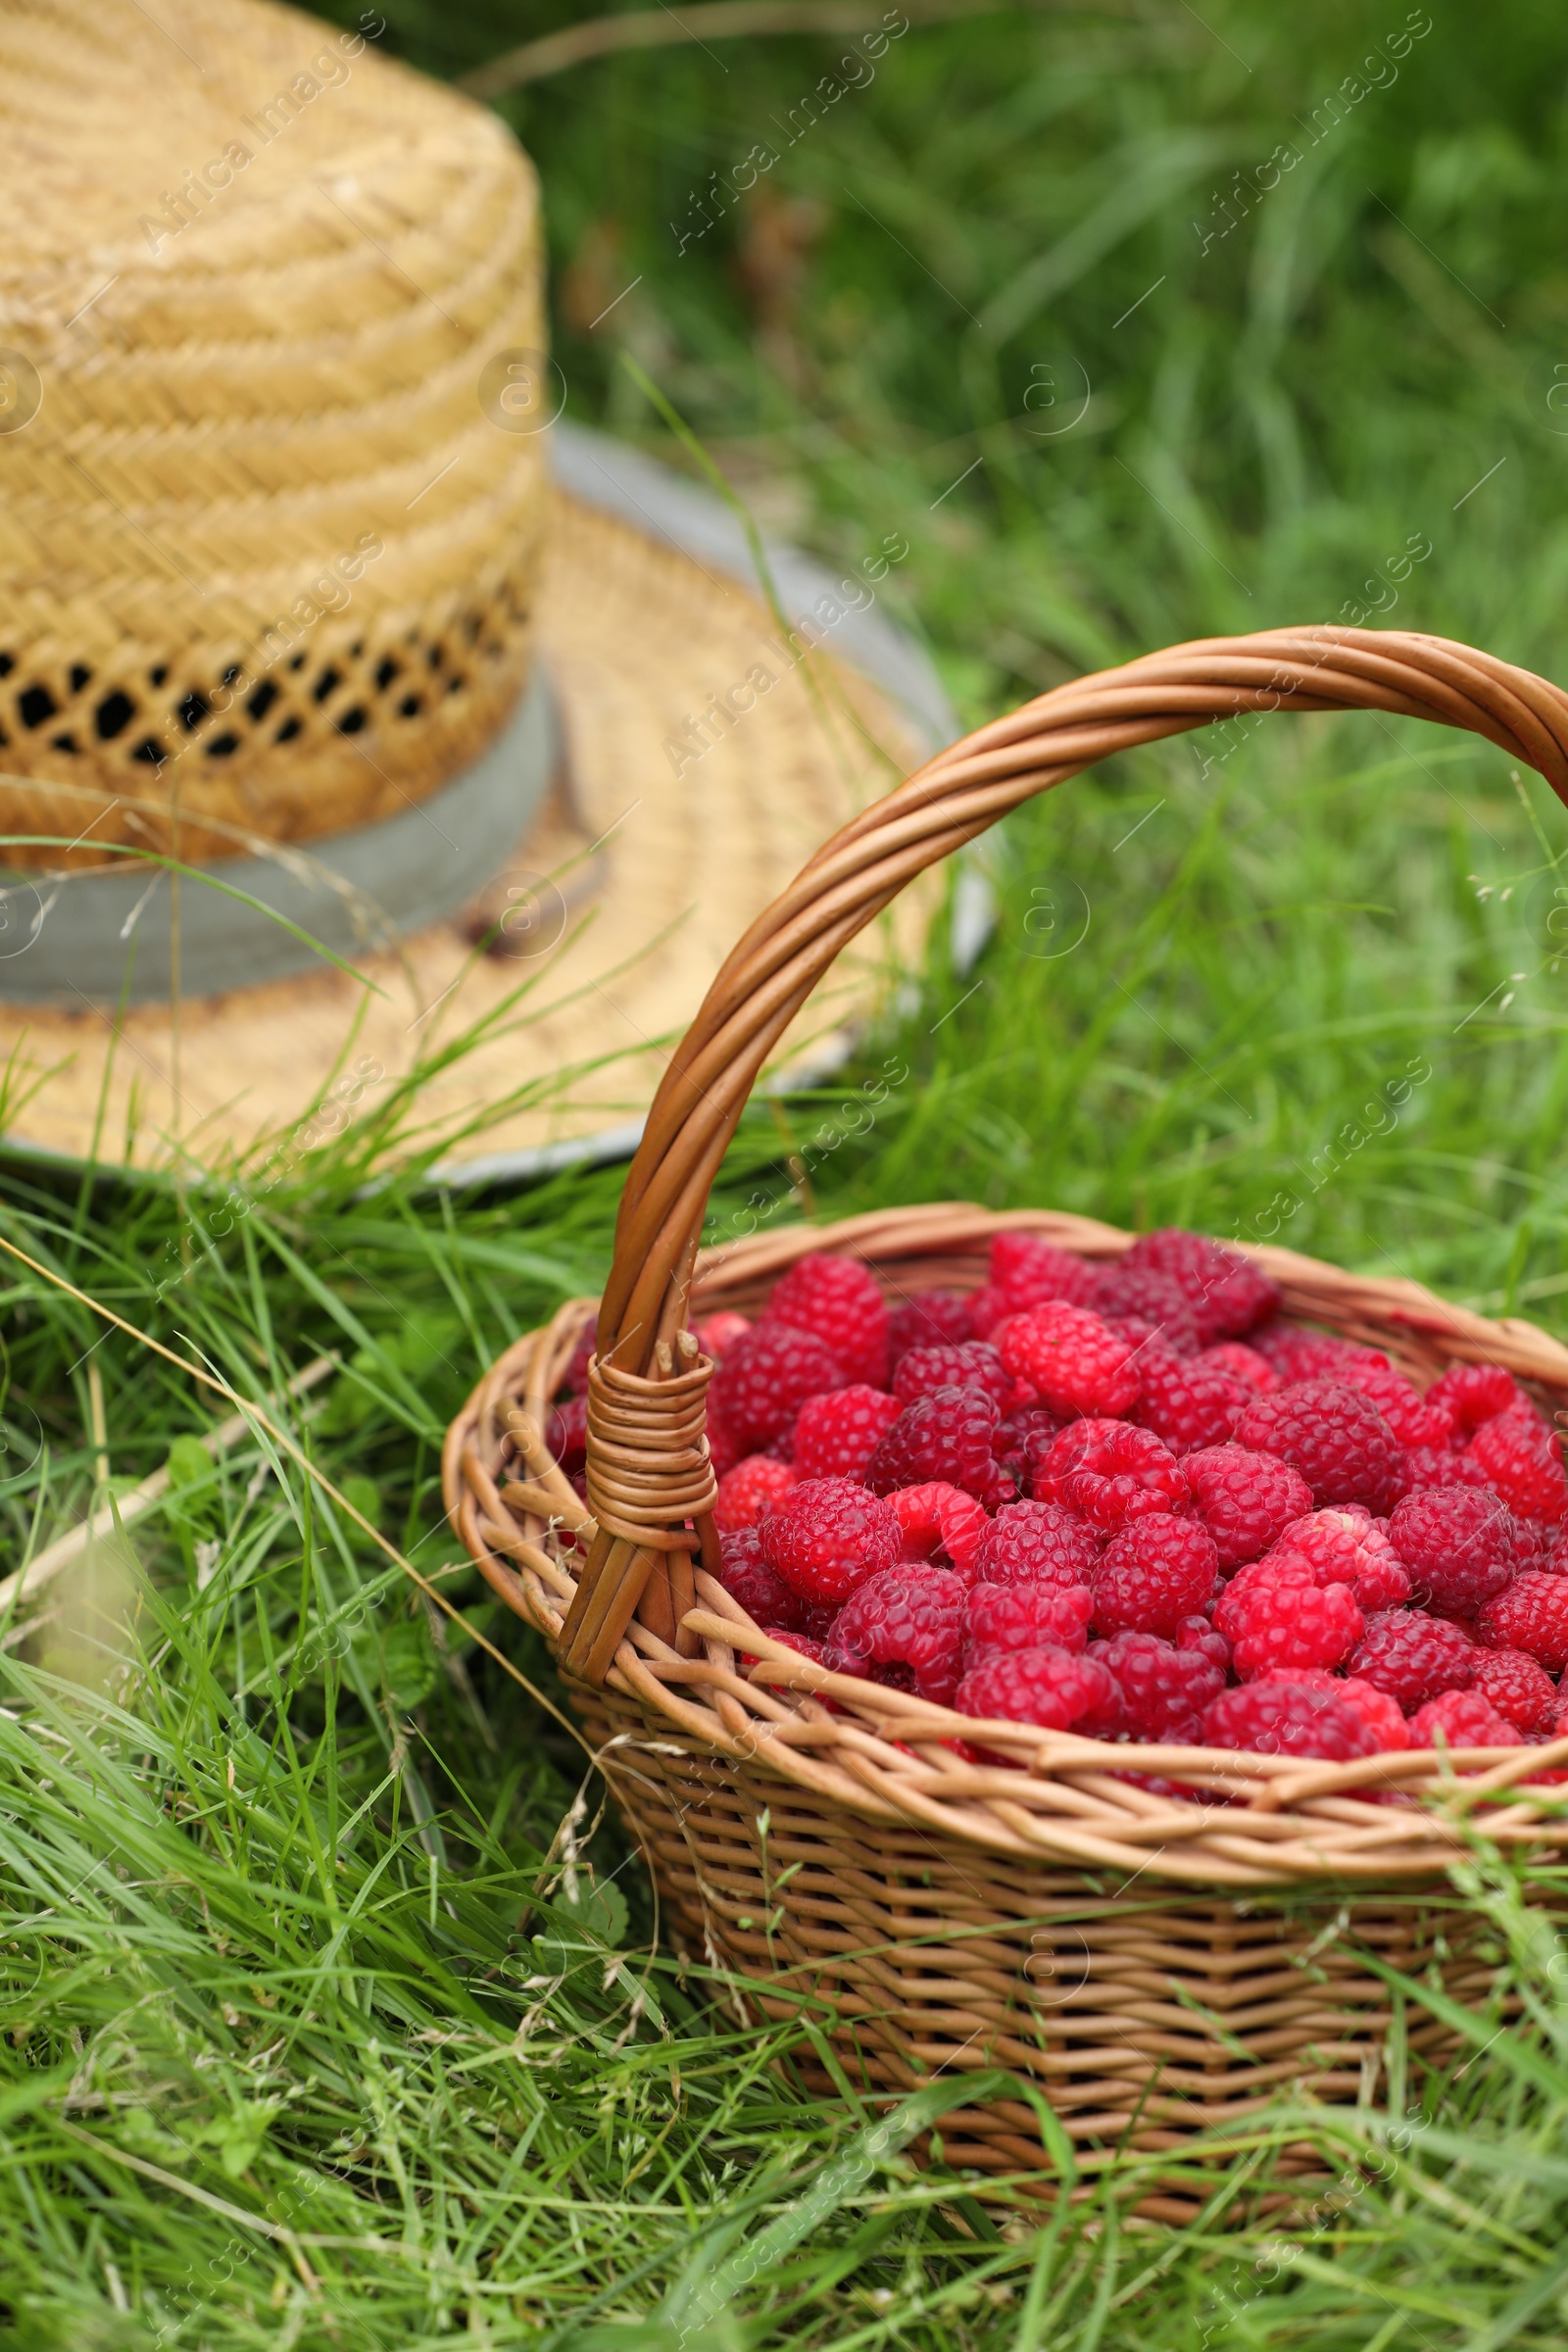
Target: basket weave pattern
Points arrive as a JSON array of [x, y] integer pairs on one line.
[[1156, 1965], [259, 504]]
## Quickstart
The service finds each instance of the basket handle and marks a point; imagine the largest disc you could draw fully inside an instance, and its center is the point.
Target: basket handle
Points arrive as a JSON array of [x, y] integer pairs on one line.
[[642, 1453]]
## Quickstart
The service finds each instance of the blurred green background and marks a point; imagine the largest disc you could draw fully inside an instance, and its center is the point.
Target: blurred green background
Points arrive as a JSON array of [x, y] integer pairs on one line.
[[286, 1935]]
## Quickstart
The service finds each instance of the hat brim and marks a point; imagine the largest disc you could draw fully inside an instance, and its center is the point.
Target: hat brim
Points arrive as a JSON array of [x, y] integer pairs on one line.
[[686, 800]]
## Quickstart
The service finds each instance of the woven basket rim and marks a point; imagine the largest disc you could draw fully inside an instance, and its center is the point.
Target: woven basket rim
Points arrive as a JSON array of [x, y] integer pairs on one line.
[[1277, 1822]]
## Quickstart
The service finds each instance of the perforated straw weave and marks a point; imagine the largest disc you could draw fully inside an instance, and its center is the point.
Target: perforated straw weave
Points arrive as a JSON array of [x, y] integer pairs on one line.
[[265, 556], [1158, 1938]]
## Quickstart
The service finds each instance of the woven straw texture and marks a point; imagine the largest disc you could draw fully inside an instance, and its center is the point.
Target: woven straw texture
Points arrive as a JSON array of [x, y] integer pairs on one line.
[[818, 1835], [265, 560]]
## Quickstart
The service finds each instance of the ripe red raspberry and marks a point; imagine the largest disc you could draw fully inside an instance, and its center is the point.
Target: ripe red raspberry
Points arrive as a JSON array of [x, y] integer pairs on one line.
[[1227, 1292], [947, 1436], [1038, 1542], [1458, 1545], [1288, 1719], [1244, 1499], [1471, 1394], [1110, 1473], [1022, 1443], [899, 1619], [1025, 1616], [972, 1365], [1156, 1572], [1334, 1435], [1243, 1363], [1349, 1547], [829, 1536], [838, 1301], [1413, 1419], [1048, 1686], [566, 1432], [1523, 1459], [928, 1319], [1297, 1352], [575, 1379], [1134, 1295], [1413, 1656], [836, 1435], [749, 1491], [1074, 1362], [1378, 1712], [1197, 1634], [1433, 1466], [936, 1520], [1028, 1271], [1187, 1403], [1276, 1614], [1518, 1689], [1164, 1690], [1460, 1719], [1531, 1615], [761, 1593], [717, 1334], [764, 1379]]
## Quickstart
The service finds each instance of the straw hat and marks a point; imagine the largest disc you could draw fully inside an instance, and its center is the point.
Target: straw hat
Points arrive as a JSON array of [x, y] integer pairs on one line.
[[294, 624]]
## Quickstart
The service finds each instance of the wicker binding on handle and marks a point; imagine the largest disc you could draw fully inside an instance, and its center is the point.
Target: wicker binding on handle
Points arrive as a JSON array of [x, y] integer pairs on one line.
[[739, 1763]]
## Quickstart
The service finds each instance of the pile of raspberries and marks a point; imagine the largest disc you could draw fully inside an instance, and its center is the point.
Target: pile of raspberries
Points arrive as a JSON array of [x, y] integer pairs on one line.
[[1138, 1504]]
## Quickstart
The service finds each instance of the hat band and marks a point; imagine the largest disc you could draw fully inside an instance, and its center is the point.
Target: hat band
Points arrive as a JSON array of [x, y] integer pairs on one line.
[[92, 935]]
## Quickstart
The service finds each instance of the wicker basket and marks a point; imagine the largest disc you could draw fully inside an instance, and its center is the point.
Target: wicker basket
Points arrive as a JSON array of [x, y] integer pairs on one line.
[[267, 559], [1157, 1966]]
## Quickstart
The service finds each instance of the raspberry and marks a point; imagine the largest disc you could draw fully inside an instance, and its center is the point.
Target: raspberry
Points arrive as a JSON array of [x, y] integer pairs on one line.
[[749, 1491], [1377, 1710], [1288, 1719], [1022, 1443], [1156, 1572], [1431, 1466], [1412, 1656], [1227, 1292], [761, 1593], [1197, 1634], [717, 1334], [1242, 1363], [1413, 1417], [1300, 1353], [838, 1301], [1460, 1719], [575, 1379], [1277, 1614], [722, 1451], [1523, 1459], [972, 1365], [988, 1306], [936, 1519], [1048, 1686], [1133, 1293], [1188, 1402], [766, 1376], [1334, 1435], [1472, 1394], [1520, 1690], [946, 1436], [1244, 1499], [1349, 1547], [1025, 1616], [930, 1319], [895, 1619], [566, 1432], [1038, 1542], [836, 1435], [1164, 1690], [1458, 1545], [1028, 1271], [1074, 1362], [1532, 1615], [1110, 1473], [829, 1536]]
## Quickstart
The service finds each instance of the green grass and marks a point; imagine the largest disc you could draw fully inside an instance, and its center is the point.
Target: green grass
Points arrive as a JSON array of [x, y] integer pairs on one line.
[[335, 2014]]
